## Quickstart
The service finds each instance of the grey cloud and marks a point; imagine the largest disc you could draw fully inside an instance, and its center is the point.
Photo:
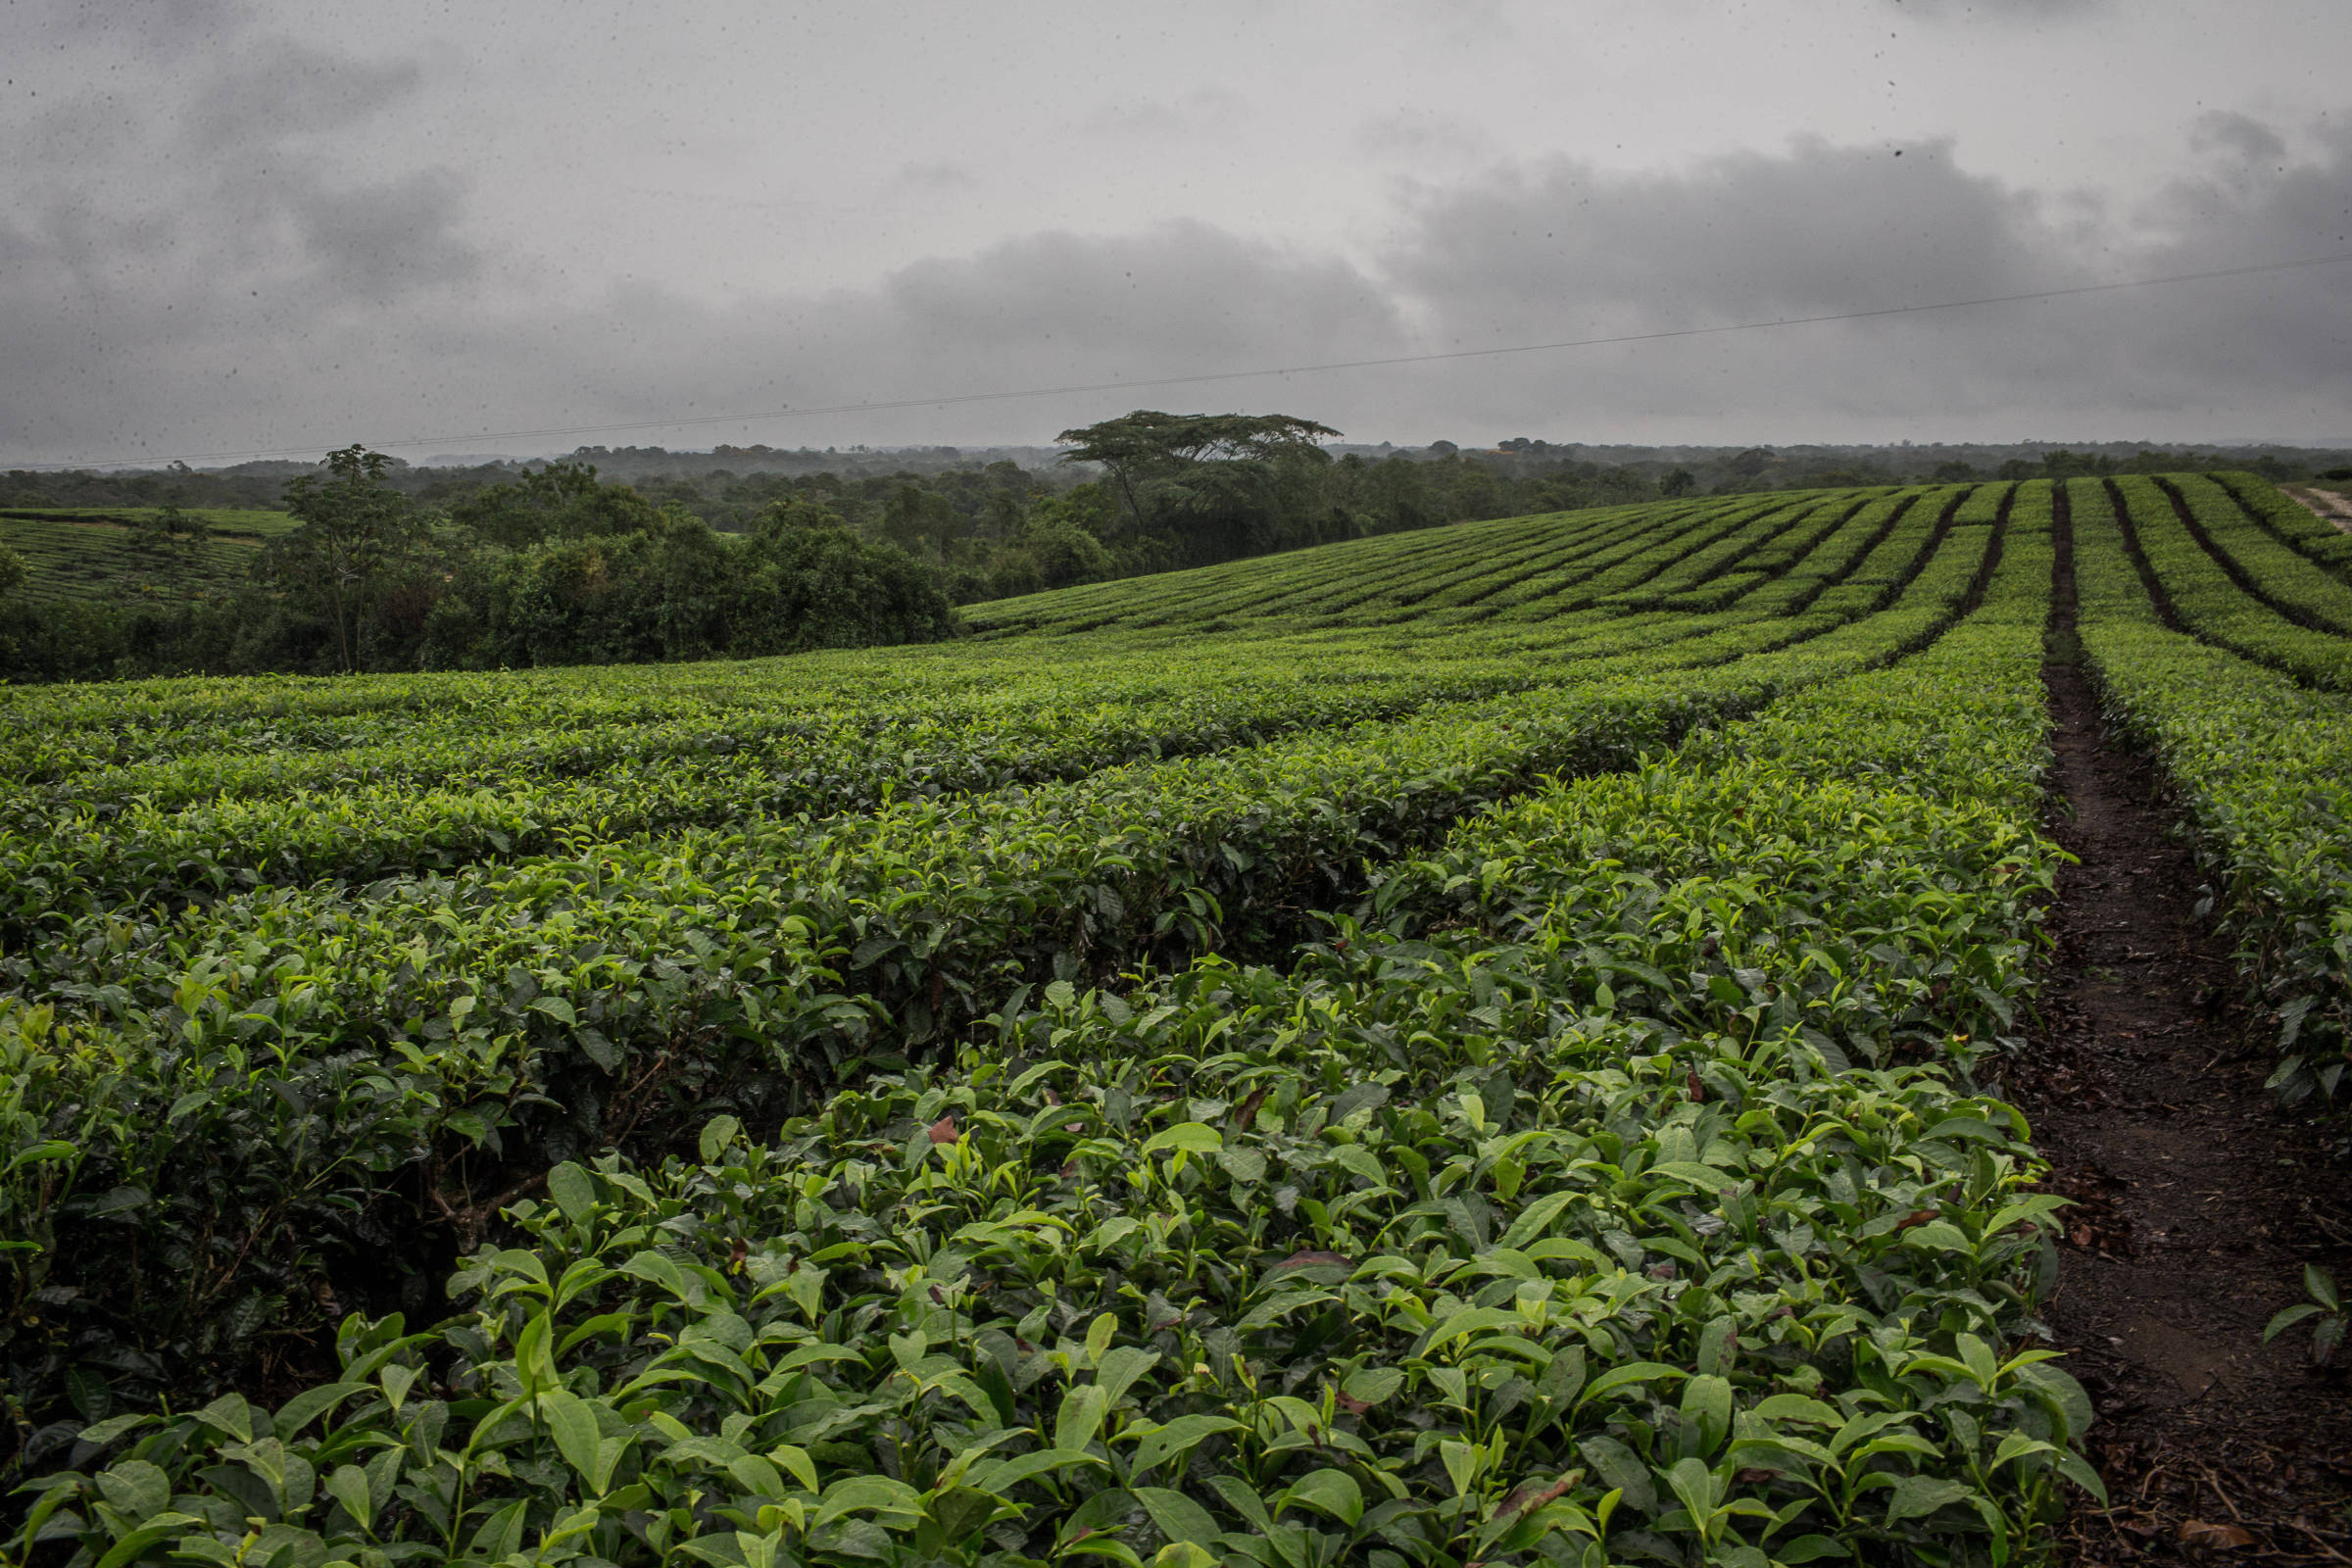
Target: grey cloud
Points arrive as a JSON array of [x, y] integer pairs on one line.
[[937, 176], [1047, 310], [1818, 228], [1044, 310], [213, 244], [285, 88], [287, 299], [2234, 135], [1148, 116], [378, 240], [1186, 291], [157, 33], [1425, 133], [2000, 10], [1559, 251]]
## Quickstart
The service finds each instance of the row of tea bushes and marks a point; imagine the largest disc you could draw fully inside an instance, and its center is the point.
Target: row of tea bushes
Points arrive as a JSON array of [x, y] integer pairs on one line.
[[1529, 1217]]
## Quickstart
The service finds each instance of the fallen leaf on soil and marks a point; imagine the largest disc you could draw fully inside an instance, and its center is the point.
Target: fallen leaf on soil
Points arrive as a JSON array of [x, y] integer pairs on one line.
[[2079, 1236], [2223, 1538]]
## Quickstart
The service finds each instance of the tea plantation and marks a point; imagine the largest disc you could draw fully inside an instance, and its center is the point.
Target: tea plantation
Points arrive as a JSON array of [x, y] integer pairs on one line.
[[1463, 1046], [106, 552]]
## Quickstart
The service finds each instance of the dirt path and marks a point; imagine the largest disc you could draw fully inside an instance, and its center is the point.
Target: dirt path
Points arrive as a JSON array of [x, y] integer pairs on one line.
[[2332, 506], [2199, 1199]]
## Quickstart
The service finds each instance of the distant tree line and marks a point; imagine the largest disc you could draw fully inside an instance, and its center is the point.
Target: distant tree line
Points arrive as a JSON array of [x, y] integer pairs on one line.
[[506, 566], [393, 568]]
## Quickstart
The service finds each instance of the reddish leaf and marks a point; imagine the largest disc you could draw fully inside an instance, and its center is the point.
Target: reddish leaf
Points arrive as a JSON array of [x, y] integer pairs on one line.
[[2221, 1538], [1696, 1087], [1918, 1216], [1248, 1115], [943, 1131], [1307, 1259]]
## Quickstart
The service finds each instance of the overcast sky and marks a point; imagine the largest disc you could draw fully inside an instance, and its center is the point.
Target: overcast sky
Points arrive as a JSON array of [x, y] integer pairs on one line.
[[230, 228]]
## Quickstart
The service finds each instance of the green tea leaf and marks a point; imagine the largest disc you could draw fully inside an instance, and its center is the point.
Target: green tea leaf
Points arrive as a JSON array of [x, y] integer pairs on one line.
[[573, 1190], [717, 1133]]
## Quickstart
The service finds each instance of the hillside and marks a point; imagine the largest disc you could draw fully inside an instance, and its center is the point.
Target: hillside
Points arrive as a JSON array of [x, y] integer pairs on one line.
[[97, 551], [1497, 1042]]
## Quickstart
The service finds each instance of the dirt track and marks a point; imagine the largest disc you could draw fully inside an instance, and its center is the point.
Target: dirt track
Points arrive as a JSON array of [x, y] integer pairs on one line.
[[2199, 1199], [2332, 505]]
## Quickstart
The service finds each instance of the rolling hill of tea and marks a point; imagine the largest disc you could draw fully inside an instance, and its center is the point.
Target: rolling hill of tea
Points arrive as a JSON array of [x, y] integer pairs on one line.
[[1462, 1045], [99, 552]]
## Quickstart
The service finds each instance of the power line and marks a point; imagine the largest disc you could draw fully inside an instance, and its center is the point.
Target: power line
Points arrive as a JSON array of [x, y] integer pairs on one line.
[[956, 398]]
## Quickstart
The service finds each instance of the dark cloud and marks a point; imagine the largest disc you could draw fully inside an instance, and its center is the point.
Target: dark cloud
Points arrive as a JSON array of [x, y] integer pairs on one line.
[[1044, 310], [1815, 230], [165, 34], [265, 96], [1558, 250], [160, 250], [2240, 137]]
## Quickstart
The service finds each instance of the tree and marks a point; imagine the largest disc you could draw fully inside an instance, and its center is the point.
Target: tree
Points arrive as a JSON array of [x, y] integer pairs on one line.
[[561, 501], [1677, 483], [1214, 485], [812, 582], [13, 571], [353, 532], [1064, 551], [914, 517], [1146, 443]]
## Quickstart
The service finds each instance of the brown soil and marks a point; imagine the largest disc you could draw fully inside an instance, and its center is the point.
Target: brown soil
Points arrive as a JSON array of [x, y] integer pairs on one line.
[[2332, 505], [2199, 1199]]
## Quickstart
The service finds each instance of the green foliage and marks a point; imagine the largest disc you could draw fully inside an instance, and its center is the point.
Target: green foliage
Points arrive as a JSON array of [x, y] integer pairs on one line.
[[550, 567], [1562, 1230], [2325, 1311], [558, 501], [2230, 580], [2264, 769], [1451, 1048]]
